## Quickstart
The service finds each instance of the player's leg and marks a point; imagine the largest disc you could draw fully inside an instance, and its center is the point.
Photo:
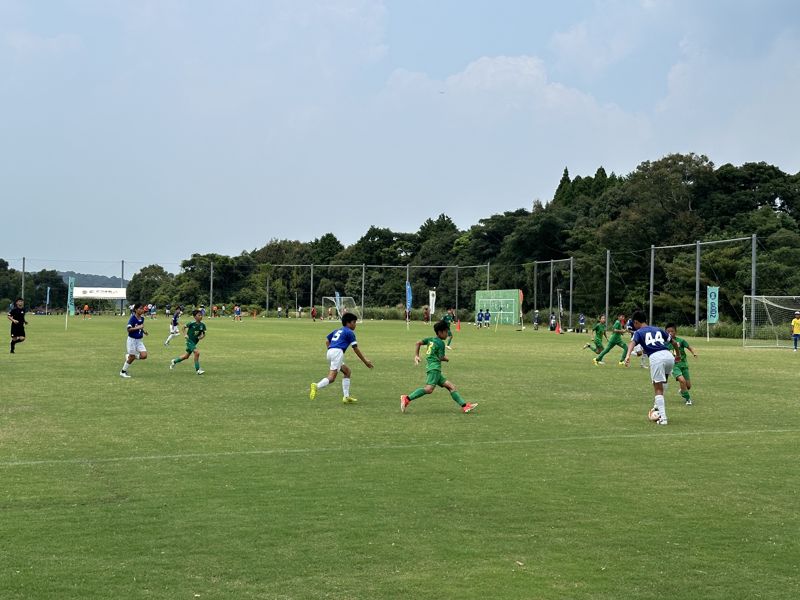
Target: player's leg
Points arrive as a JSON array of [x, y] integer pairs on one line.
[[336, 360], [465, 406], [661, 363], [197, 368], [624, 352], [346, 397], [599, 359], [449, 338], [431, 380]]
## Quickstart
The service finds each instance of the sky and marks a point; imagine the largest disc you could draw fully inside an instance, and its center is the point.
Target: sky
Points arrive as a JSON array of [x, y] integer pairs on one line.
[[149, 130]]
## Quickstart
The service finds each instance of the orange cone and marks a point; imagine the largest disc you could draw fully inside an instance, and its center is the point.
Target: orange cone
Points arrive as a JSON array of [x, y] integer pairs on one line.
[[558, 327], [458, 325]]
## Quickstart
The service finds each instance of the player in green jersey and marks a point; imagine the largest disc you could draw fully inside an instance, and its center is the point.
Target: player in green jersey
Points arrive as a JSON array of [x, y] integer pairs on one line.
[[194, 332], [435, 356], [681, 369], [448, 319], [599, 330], [617, 329]]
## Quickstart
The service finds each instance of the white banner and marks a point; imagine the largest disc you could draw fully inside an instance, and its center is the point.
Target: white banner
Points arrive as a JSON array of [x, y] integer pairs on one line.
[[100, 293], [432, 302]]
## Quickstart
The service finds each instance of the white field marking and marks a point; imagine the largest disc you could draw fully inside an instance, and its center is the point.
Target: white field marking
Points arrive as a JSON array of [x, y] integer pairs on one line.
[[288, 451]]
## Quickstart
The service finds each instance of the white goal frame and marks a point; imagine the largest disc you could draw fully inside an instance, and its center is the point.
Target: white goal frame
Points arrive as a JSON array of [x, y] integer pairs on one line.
[[342, 304], [766, 321]]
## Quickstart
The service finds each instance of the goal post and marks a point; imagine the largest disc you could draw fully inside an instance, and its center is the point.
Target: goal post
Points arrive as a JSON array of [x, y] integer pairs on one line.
[[341, 305], [504, 306], [767, 321]]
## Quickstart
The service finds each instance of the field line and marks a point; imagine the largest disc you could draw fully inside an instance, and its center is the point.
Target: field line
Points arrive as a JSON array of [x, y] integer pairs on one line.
[[369, 447]]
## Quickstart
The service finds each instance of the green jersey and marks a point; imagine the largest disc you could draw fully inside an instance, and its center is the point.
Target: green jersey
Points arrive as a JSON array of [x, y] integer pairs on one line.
[[615, 337], [599, 329], [449, 319], [194, 330], [682, 346], [434, 354]]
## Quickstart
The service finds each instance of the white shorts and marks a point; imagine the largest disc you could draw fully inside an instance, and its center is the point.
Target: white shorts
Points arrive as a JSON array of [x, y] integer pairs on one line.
[[174, 329], [135, 346], [336, 358], [661, 364]]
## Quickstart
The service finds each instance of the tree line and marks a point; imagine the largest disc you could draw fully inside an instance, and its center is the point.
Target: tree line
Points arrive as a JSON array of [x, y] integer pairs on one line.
[[678, 199]]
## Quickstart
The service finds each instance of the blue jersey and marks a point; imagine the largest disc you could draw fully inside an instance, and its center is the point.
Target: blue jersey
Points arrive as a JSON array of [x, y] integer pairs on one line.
[[136, 334], [652, 339], [486, 316], [175, 318], [342, 338], [479, 318]]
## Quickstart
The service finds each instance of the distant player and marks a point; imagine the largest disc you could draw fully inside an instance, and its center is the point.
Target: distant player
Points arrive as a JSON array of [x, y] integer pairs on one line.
[[337, 342], [194, 331], [174, 325], [86, 312], [581, 323], [448, 319], [17, 317], [656, 344], [796, 328], [617, 329], [479, 318], [237, 312], [314, 314], [487, 318], [435, 355], [537, 320], [599, 330], [136, 335], [681, 369]]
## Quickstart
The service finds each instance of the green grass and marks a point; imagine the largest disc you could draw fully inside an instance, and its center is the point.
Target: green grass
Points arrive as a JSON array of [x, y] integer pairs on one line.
[[235, 485]]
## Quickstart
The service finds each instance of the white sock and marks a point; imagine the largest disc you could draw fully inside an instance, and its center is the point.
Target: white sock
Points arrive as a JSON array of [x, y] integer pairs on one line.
[[125, 366], [322, 383], [346, 387], [661, 406]]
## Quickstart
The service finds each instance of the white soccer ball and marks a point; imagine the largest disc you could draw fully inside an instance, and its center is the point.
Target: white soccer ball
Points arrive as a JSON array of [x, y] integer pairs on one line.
[[653, 414]]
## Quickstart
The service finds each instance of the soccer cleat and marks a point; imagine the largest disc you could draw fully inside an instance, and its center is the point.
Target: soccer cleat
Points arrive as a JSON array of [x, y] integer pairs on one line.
[[313, 393], [172, 364], [621, 363], [585, 346], [688, 402], [449, 347], [404, 402], [468, 407], [199, 371], [124, 374], [597, 363], [166, 343], [661, 421], [349, 400]]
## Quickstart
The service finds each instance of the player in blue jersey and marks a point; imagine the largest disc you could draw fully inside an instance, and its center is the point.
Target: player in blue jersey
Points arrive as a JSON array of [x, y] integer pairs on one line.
[[637, 350], [136, 334], [479, 319], [487, 318], [338, 341], [656, 344], [174, 326]]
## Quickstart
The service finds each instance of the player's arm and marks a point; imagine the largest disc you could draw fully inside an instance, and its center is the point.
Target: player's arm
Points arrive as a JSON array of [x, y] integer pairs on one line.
[[631, 345], [690, 349], [12, 319], [676, 348], [416, 352], [363, 358]]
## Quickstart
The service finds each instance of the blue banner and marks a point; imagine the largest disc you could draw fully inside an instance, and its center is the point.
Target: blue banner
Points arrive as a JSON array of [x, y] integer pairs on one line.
[[712, 300], [408, 297], [47, 301], [70, 299]]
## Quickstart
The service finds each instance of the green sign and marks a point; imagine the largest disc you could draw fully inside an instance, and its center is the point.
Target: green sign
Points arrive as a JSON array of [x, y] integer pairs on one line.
[[712, 301], [70, 298]]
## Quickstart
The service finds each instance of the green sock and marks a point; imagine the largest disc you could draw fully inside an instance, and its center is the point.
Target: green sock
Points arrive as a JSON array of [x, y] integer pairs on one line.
[[196, 366], [177, 360], [418, 393], [457, 397], [685, 395]]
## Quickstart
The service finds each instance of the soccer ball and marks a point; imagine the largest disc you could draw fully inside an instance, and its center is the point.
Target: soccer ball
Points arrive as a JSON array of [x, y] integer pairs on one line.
[[653, 414]]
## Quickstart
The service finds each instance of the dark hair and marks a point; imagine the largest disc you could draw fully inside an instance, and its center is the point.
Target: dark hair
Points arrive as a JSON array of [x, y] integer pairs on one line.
[[348, 318], [639, 316], [440, 326], [668, 325], [18, 299], [197, 312], [137, 305]]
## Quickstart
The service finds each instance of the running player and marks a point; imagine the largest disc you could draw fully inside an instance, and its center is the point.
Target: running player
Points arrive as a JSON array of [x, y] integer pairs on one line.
[[681, 369], [796, 329], [337, 342], [599, 329], [656, 343], [17, 317], [174, 326], [448, 319], [435, 355], [617, 329], [194, 332], [136, 332]]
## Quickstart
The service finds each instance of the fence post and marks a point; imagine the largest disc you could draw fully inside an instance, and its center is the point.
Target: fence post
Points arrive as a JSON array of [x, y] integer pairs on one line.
[[456, 291], [551, 287], [363, 277], [608, 280], [122, 283], [571, 261], [697, 288], [311, 301], [211, 290], [535, 284], [22, 294]]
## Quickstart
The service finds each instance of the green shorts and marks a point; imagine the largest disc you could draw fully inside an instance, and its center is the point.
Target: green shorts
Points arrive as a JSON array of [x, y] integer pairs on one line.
[[679, 370], [190, 346], [598, 343], [435, 378]]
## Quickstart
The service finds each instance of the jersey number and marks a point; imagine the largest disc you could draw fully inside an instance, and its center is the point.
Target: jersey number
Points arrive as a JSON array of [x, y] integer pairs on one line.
[[336, 335], [653, 340]]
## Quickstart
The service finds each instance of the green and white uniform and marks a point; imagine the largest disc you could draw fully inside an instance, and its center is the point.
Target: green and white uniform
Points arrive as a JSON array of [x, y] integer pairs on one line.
[[194, 331], [433, 357], [599, 329], [614, 340], [682, 366], [449, 319]]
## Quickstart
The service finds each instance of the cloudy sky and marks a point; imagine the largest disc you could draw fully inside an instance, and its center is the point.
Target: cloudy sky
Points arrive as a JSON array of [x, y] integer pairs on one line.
[[147, 130]]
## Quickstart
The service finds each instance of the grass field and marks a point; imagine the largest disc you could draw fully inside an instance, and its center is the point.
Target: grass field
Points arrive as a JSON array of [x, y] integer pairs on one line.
[[235, 485]]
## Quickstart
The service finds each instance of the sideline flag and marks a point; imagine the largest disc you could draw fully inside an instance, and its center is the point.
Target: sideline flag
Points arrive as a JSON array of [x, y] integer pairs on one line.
[[70, 297], [712, 300], [408, 302], [432, 302]]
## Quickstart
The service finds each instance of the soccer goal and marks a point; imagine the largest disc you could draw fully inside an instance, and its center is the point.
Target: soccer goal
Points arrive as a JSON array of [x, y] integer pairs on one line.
[[504, 306], [341, 305], [767, 321]]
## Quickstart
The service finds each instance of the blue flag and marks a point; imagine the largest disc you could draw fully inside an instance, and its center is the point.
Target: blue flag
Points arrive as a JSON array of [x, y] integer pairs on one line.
[[408, 296], [712, 301], [70, 299]]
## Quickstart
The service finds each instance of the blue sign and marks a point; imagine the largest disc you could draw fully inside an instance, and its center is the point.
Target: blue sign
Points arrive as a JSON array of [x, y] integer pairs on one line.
[[408, 296], [712, 300]]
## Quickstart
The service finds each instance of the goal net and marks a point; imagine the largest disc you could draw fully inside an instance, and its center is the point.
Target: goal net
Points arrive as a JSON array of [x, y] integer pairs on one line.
[[339, 306], [767, 321], [503, 305]]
